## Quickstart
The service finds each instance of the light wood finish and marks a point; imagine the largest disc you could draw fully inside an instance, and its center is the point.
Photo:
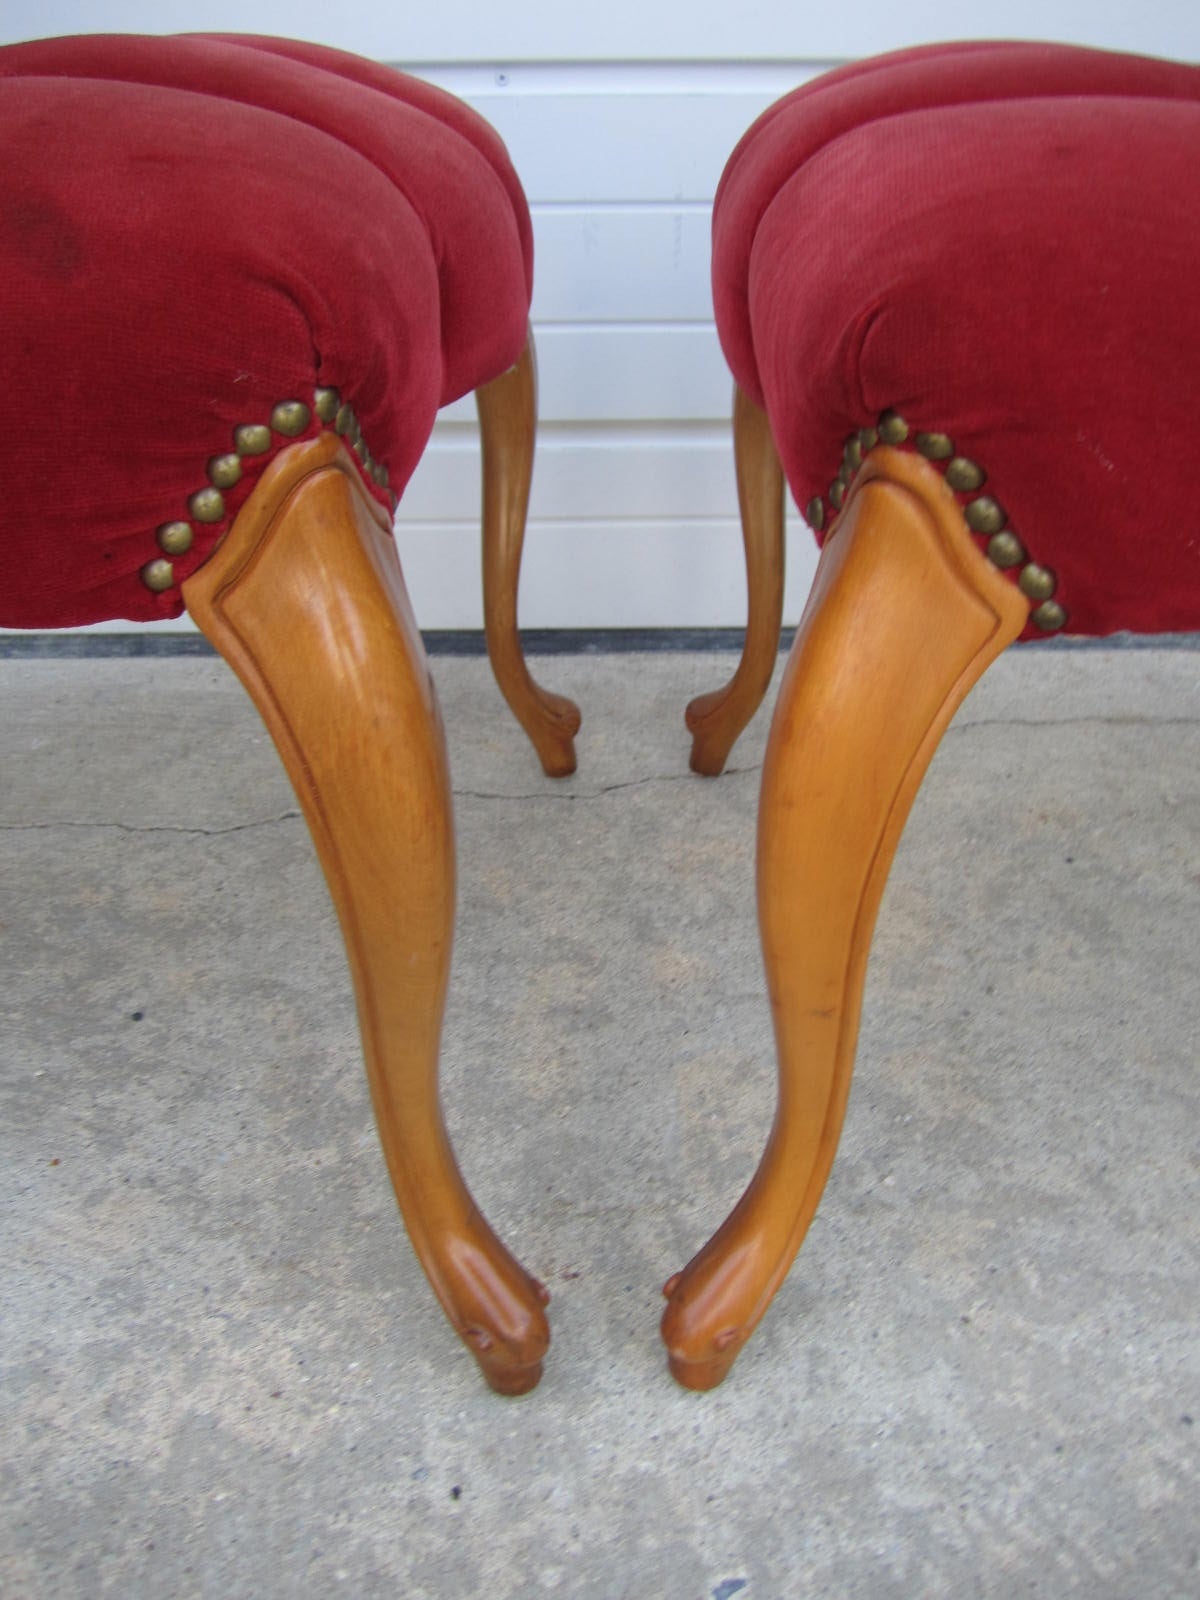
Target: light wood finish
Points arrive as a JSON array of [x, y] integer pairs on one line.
[[905, 615], [508, 424], [715, 720], [306, 602]]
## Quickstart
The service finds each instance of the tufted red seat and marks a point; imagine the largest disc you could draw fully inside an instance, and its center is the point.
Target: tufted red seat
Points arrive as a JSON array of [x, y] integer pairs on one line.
[[956, 287], [254, 219], [238, 277]]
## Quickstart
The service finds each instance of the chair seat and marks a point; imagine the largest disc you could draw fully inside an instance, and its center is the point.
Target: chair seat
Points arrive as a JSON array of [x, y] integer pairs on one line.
[[997, 244], [265, 236]]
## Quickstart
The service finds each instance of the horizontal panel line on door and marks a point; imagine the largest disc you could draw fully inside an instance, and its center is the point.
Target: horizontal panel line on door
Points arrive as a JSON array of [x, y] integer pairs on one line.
[[584, 521], [456, 433]]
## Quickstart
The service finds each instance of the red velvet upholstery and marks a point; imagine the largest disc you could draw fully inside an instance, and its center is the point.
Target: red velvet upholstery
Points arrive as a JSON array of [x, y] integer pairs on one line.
[[1002, 243], [195, 229]]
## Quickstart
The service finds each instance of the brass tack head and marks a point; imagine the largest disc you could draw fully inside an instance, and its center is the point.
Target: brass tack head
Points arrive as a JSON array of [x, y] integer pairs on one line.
[[985, 515], [379, 473], [224, 471], [359, 445], [1037, 582], [1049, 616], [1005, 550], [290, 417], [158, 575], [868, 438], [935, 446], [326, 403], [252, 439], [814, 513], [964, 475], [853, 453], [207, 505], [174, 538], [837, 493], [892, 428], [354, 436], [344, 419]]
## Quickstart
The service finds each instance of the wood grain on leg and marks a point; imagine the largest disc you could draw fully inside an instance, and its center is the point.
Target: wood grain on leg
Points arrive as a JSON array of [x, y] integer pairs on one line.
[[508, 424], [306, 602], [716, 720], [905, 616]]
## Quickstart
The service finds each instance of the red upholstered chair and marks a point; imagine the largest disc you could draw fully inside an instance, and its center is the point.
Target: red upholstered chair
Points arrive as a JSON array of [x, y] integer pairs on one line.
[[238, 277], [957, 289]]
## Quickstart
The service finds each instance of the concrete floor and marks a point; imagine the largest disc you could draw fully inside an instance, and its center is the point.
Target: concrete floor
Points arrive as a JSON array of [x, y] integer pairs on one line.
[[223, 1372]]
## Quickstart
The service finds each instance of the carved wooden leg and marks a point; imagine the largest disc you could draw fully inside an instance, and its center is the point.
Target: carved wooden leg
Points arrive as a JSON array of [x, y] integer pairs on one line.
[[508, 423], [306, 602], [715, 720], [905, 615]]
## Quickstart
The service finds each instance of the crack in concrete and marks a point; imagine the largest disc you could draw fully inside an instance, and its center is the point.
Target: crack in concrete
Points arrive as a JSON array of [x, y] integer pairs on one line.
[[1075, 722], [130, 827], [597, 794], [561, 796]]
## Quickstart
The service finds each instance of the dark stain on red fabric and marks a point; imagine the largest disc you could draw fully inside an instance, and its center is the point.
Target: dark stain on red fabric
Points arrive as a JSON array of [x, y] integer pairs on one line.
[[39, 235]]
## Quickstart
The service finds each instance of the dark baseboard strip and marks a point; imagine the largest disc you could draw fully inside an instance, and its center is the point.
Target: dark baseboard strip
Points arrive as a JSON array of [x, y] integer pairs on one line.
[[465, 642], [94, 646], [537, 641]]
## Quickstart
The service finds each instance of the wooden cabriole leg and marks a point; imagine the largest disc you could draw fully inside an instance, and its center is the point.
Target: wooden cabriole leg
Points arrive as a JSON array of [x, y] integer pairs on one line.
[[905, 616], [508, 423], [306, 602], [715, 720]]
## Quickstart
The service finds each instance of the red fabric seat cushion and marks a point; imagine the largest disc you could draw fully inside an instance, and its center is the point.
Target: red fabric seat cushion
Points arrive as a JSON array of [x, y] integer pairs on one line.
[[1001, 243], [195, 229]]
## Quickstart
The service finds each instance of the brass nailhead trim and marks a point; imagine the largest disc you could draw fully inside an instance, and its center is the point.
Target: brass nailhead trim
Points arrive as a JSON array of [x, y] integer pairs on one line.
[[207, 505], [964, 475], [1005, 550], [326, 403], [330, 408], [174, 538], [892, 428], [158, 575], [224, 471], [983, 515], [935, 446], [252, 439], [290, 417], [1037, 582]]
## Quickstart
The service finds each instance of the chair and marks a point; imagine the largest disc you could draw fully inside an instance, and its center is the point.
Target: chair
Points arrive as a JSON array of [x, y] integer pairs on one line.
[[239, 276], [956, 288]]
